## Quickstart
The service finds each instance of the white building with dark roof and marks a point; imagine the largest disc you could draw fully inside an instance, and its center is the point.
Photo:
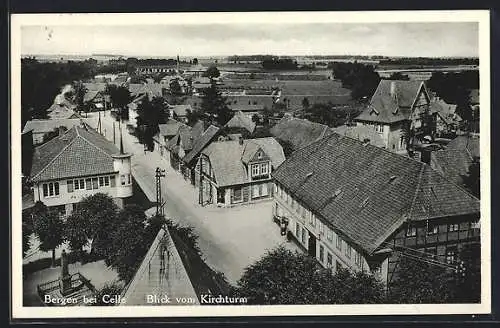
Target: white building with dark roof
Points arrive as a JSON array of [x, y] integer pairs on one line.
[[77, 164]]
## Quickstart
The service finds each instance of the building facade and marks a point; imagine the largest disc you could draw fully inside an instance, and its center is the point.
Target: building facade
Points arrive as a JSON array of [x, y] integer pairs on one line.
[[353, 205], [78, 164]]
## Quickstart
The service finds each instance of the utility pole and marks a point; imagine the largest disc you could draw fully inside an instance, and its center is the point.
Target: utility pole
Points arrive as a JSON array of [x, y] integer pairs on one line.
[[200, 197], [114, 134], [159, 203], [99, 123]]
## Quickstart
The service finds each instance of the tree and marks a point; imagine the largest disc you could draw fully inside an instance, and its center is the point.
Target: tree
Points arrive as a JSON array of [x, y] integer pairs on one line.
[[128, 242], [91, 222], [192, 116], [109, 289], [214, 105], [305, 103], [195, 61], [256, 118], [175, 88], [284, 277], [361, 79], [79, 90], [468, 288], [420, 282], [49, 227], [120, 98], [472, 181], [212, 72], [27, 230], [151, 113]]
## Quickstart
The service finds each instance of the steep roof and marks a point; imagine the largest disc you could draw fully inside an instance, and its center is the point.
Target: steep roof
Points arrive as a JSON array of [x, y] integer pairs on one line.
[[299, 132], [361, 133], [95, 86], [446, 111], [201, 142], [184, 135], [240, 120], [44, 126], [180, 110], [151, 89], [226, 158], [366, 193], [387, 108], [455, 161], [170, 128], [62, 112], [81, 151]]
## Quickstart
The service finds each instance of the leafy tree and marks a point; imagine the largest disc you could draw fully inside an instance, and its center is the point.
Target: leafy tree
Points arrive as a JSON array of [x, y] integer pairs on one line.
[[120, 98], [49, 227], [468, 288], [256, 118], [214, 105], [91, 222], [284, 277], [420, 282], [151, 113], [110, 289], [212, 72], [361, 79], [128, 242], [192, 116], [305, 103], [195, 61], [79, 90], [472, 181], [27, 230], [175, 88]]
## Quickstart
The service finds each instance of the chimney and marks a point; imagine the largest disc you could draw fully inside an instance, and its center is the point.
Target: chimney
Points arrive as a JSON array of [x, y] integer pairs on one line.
[[240, 140], [393, 89]]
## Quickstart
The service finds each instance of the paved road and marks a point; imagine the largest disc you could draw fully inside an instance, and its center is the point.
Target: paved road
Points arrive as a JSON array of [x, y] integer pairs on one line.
[[230, 239]]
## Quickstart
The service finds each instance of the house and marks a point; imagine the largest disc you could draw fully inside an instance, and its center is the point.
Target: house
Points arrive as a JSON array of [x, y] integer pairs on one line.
[[39, 127], [179, 112], [182, 143], [62, 111], [297, 133], [238, 172], [350, 204], [76, 164], [166, 132], [447, 119], [361, 133], [192, 171], [150, 89], [455, 161], [241, 122], [96, 100], [393, 105]]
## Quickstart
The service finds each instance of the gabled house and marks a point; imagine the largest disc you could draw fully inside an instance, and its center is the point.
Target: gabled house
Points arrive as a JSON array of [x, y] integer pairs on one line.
[[76, 164], [166, 132], [238, 172], [62, 111], [394, 105], [447, 119], [39, 128], [182, 143], [295, 133], [179, 112], [241, 123], [455, 161], [350, 204]]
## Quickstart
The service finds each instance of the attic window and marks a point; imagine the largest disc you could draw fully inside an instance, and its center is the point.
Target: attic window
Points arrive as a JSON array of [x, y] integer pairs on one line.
[[259, 155]]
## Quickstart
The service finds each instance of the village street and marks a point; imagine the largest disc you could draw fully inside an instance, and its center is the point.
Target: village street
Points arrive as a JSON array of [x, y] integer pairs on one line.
[[230, 239]]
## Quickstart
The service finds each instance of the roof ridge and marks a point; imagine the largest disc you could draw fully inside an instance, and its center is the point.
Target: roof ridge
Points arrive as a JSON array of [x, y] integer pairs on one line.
[[92, 144], [57, 155]]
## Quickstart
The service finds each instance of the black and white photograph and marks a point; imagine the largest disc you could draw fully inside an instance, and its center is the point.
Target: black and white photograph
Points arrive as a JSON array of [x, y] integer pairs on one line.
[[273, 163]]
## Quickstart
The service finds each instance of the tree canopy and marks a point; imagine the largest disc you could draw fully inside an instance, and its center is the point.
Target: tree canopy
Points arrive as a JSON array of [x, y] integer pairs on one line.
[[120, 98], [284, 277], [49, 227], [214, 106], [151, 113], [212, 72], [361, 79]]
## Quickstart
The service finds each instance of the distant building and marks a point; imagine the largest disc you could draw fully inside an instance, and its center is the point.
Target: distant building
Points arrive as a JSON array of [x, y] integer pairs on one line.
[[241, 122], [79, 163], [40, 128], [182, 143], [447, 119], [62, 111], [238, 172], [353, 205], [394, 104], [179, 112], [361, 133], [167, 132]]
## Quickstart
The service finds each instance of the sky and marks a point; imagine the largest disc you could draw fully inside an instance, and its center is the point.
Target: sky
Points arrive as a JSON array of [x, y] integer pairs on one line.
[[430, 39]]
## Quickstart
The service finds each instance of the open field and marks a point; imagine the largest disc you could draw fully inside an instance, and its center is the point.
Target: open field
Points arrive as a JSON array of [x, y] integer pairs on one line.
[[325, 87]]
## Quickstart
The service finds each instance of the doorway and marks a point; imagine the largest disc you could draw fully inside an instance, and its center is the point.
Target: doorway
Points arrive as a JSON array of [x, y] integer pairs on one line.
[[311, 245]]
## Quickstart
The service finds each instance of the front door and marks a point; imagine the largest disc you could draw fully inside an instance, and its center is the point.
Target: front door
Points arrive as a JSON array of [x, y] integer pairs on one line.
[[311, 245]]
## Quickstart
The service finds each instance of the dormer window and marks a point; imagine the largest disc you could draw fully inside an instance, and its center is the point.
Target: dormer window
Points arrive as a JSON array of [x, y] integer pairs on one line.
[[259, 155]]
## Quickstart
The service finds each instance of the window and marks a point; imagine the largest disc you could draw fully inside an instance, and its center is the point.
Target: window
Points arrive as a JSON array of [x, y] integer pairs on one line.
[[95, 184], [329, 260], [329, 234], [50, 189], [297, 230], [82, 184], [358, 258], [304, 234], [129, 179], [264, 189], [379, 128], [312, 219], [122, 179], [411, 231], [112, 181], [88, 184], [321, 253], [432, 228], [255, 169], [431, 252], [264, 168], [275, 188], [348, 250], [475, 225], [339, 243], [101, 181], [106, 181], [451, 253], [69, 183], [237, 194], [321, 227], [453, 227]]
